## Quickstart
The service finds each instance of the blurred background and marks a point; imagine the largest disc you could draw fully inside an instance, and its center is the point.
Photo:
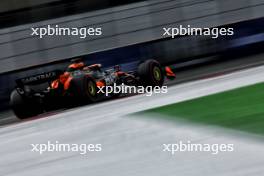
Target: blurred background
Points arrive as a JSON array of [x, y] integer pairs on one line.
[[132, 31]]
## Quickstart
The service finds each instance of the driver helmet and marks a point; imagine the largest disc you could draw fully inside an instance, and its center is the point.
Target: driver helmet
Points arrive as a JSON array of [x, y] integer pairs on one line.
[[77, 64]]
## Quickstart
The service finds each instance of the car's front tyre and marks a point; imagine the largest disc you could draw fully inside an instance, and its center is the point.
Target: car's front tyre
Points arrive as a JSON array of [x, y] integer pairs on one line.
[[150, 73]]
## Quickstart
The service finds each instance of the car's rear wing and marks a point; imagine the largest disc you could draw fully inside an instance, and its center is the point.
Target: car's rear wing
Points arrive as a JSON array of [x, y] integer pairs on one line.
[[39, 78]]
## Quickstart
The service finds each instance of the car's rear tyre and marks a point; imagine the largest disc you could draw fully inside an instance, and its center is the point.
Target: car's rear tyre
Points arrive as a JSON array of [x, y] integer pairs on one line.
[[150, 73], [84, 89], [23, 108]]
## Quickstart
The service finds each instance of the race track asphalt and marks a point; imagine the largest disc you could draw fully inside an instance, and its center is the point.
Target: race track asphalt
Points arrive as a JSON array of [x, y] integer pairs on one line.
[[133, 145]]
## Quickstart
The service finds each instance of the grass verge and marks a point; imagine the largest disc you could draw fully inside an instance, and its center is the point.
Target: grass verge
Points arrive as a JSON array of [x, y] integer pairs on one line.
[[240, 109]]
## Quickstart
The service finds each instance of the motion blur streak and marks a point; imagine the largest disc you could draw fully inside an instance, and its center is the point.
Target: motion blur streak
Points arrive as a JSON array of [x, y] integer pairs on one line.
[[131, 146]]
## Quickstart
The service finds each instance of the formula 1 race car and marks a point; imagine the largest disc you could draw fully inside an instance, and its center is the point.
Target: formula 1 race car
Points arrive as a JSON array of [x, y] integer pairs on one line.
[[78, 84]]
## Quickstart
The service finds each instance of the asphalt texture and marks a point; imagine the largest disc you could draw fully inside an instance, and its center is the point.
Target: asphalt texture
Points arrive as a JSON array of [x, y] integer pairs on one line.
[[134, 145]]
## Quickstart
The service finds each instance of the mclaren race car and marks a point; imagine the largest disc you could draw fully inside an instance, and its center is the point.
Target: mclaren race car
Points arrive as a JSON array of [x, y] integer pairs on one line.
[[78, 84]]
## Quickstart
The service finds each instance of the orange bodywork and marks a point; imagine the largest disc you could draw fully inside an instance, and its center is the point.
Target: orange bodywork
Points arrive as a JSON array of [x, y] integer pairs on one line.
[[55, 84], [169, 72], [64, 79], [76, 65], [94, 65], [120, 73], [67, 83], [100, 84]]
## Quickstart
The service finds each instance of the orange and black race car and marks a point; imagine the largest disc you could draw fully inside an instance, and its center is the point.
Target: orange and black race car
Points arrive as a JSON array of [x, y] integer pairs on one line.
[[79, 84]]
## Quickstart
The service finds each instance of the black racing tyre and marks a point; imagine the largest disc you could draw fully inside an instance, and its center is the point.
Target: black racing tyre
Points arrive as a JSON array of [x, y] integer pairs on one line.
[[84, 89], [150, 73], [23, 108]]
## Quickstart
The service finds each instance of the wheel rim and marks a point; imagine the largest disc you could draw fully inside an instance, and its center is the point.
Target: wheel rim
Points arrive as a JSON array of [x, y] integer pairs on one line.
[[91, 88], [157, 73]]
